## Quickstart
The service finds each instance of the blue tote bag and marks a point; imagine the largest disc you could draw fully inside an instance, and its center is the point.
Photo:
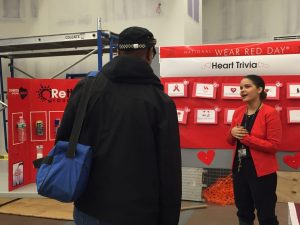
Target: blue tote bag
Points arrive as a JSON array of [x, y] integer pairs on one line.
[[63, 174]]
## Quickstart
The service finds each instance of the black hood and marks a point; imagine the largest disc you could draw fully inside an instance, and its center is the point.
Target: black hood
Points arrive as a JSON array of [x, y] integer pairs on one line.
[[131, 70]]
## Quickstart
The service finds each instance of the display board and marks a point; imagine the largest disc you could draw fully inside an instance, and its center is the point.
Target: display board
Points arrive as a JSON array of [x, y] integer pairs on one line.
[[35, 110], [204, 83]]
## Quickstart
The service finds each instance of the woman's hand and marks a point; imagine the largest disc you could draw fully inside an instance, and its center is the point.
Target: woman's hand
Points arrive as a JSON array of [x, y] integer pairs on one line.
[[238, 132]]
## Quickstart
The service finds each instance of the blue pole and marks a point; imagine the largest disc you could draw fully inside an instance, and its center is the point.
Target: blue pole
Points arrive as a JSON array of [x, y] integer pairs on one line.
[[3, 112], [111, 48], [11, 68], [100, 47]]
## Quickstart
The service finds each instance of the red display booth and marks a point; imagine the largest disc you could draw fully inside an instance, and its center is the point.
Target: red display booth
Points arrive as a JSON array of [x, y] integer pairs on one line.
[[202, 80], [35, 110]]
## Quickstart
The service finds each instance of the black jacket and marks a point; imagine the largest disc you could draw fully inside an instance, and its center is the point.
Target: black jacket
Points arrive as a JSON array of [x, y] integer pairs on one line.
[[132, 126]]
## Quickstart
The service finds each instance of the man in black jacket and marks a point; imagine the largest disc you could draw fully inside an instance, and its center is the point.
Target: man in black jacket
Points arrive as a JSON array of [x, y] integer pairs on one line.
[[132, 126]]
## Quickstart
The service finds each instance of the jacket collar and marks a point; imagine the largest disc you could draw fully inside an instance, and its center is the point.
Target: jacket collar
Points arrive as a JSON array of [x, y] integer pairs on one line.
[[131, 70]]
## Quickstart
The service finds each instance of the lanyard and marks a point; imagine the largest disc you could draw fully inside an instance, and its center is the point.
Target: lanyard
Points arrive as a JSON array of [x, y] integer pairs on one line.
[[243, 150], [249, 120]]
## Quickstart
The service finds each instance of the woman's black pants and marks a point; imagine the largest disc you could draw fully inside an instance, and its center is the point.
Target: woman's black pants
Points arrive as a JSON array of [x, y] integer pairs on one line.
[[252, 192]]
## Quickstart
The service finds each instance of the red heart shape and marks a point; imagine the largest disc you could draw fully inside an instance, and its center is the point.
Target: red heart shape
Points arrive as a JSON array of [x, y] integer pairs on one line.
[[292, 161], [206, 157], [233, 90], [266, 90]]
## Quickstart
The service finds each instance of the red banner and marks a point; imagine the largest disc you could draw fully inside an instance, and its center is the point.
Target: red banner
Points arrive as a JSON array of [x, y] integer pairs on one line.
[[243, 49]]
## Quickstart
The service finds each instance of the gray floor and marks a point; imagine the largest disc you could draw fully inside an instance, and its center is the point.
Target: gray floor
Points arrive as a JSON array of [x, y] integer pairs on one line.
[[212, 215]]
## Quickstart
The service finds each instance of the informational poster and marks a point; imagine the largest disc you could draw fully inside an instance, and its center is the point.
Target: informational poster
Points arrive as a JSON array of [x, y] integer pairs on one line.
[[214, 73], [35, 109]]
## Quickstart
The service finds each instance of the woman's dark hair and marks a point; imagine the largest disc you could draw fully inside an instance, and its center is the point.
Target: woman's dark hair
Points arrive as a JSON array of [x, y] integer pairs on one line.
[[258, 82]]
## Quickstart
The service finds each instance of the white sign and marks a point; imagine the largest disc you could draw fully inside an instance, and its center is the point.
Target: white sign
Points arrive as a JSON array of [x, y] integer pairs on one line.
[[230, 66]]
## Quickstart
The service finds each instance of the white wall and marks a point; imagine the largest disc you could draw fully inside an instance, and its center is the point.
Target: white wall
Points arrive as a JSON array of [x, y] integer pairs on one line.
[[192, 28], [56, 16], [43, 17], [227, 21]]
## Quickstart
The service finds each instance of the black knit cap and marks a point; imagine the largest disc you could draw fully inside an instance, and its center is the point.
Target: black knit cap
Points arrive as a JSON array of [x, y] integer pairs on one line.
[[133, 38]]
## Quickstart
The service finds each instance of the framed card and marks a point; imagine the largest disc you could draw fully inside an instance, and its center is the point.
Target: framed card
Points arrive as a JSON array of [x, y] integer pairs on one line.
[[293, 114], [203, 90], [176, 89], [231, 91], [228, 114], [18, 173], [182, 115], [206, 116], [293, 90], [272, 91]]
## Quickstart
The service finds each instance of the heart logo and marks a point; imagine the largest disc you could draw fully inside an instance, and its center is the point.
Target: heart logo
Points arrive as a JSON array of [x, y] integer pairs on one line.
[[292, 161], [233, 90], [206, 157], [205, 88], [23, 92], [267, 90]]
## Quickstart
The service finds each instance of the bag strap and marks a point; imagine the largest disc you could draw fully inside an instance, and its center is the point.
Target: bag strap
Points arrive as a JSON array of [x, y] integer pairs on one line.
[[80, 114]]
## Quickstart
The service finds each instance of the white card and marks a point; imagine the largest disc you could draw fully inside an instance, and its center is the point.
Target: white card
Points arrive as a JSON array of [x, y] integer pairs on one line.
[[176, 90], [294, 115], [271, 91], [208, 116], [294, 90], [231, 91], [204, 90], [180, 115], [230, 113]]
